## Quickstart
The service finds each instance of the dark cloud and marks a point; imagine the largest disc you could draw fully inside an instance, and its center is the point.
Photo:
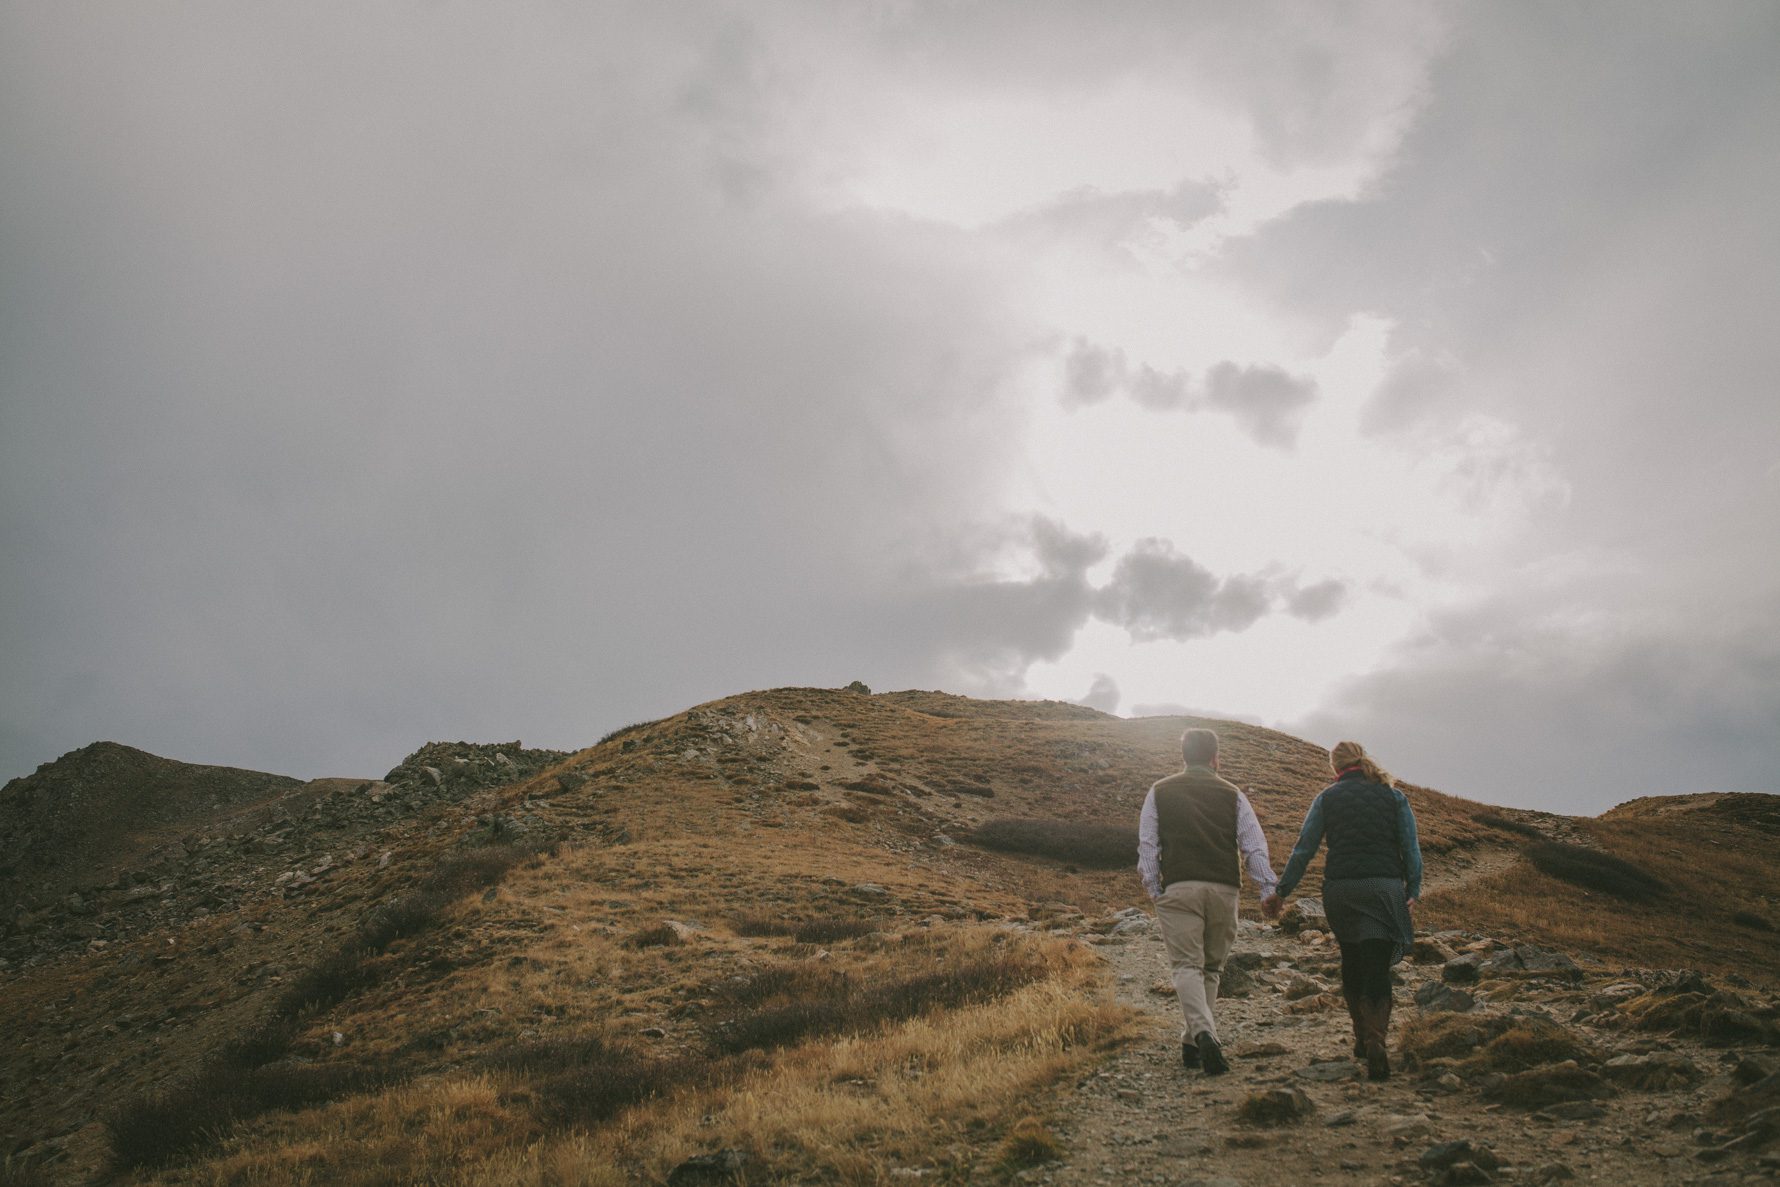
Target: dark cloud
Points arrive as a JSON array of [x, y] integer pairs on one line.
[[1092, 373], [1313, 603], [1158, 593], [1506, 708], [1103, 694], [1265, 401], [344, 405]]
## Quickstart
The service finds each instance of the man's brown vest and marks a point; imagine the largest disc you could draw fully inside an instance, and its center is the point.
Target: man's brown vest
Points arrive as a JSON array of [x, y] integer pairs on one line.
[[1196, 818]]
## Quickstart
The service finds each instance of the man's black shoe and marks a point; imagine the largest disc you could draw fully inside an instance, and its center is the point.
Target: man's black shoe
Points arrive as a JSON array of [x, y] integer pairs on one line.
[[1189, 1055], [1211, 1056]]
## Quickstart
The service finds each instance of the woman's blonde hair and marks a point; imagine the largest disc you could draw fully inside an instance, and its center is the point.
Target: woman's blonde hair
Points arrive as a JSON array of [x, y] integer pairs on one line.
[[1352, 754]]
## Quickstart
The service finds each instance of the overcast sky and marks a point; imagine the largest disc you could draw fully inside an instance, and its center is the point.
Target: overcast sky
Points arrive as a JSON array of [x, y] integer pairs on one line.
[[1401, 371]]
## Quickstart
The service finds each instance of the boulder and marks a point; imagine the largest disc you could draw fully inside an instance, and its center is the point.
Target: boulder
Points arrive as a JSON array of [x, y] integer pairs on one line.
[[1659, 1071], [1305, 914], [1275, 1106], [1445, 1154], [1462, 970], [1438, 997]]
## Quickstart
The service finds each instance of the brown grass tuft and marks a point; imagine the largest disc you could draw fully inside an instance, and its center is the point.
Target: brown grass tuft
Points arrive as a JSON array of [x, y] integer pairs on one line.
[[1027, 1144]]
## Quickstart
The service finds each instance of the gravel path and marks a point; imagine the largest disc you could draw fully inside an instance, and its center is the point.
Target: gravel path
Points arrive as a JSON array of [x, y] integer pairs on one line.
[[1141, 1118]]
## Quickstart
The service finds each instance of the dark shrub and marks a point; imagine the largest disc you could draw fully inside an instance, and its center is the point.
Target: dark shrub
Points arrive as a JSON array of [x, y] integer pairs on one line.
[[329, 981], [1592, 869], [1095, 846], [587, 1080], [804, 931], [1506, 824], [408, 915], [659, 936], [262, 1045], [803, 1002], [1751, 920], [622, 730], [155, 1130], [829, 931], [20, 1172], [285, 1085], [784, 981], [782, 1025]]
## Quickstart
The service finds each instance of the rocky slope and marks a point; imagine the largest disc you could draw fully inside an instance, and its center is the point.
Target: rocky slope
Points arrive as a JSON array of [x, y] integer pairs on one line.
[[513, 966]]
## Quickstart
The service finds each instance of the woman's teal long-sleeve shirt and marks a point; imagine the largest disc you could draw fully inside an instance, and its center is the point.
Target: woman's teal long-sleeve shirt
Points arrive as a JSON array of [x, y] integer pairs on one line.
[[1310, 837]]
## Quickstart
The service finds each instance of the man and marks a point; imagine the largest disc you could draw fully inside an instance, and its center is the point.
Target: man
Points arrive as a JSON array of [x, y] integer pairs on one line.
[[1192, 827]]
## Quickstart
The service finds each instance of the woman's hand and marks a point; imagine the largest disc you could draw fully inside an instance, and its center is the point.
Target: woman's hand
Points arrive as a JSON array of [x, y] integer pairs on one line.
[[1411, 903], [1270, 907]]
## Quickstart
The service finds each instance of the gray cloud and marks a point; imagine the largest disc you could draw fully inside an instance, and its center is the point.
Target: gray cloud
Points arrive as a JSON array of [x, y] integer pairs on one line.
[[1585, 255], [1313, 603], [1536, 712], [1158, 593], [345, 405], [1103, 694], [1265, 401]]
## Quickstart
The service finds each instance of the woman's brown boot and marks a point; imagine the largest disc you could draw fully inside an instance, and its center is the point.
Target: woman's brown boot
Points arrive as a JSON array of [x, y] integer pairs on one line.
[[1377, 1016], [1357, 1015]]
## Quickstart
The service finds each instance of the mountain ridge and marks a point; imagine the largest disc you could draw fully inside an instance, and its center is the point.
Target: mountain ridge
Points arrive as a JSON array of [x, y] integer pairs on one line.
[[622, 889]]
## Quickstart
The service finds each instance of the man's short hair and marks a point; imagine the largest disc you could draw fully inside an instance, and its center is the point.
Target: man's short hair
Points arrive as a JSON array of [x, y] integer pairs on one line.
[[1199, 747]]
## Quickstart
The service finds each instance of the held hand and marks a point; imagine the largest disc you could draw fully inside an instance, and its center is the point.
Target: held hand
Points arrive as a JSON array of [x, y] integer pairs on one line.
[[1411, 903], [1270, 907]]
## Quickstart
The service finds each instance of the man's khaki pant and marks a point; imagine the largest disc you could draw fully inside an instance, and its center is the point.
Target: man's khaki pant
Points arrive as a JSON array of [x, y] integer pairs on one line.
[[1198, 922]]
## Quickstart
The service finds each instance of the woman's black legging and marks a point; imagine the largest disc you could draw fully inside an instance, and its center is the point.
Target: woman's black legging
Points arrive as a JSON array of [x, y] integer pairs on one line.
[[1366, 970]]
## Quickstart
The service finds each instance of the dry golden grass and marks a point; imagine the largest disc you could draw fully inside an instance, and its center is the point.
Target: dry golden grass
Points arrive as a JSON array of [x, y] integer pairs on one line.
[[1709, 873], [840, 1111]]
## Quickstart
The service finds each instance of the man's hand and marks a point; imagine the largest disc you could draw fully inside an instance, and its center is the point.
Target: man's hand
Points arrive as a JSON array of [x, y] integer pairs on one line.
[[1411, 903], [1271, 907]]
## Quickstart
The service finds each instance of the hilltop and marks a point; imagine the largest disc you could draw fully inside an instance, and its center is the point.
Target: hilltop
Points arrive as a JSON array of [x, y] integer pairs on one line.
[[835, 936]]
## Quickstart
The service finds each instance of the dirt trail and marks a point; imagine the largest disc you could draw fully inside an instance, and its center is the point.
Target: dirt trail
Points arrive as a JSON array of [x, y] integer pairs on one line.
[[1142, 1118]]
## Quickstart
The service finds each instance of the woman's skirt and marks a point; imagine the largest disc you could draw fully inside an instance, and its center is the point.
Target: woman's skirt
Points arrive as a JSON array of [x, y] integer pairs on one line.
[[1369, 909]]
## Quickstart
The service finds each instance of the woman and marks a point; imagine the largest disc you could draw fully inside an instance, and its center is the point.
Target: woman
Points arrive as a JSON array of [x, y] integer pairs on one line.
[[1371, 880]]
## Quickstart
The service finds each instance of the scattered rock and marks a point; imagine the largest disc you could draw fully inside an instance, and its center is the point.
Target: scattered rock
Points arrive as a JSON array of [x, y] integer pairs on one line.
[[1304, 914], [1275, 1106], [1439, 997], [1659, 1071], [1462, 970], [1255, 1050], [1405, 1127], [1530, 958], [1541, 1087], [1330, 1071], [1300, 987]]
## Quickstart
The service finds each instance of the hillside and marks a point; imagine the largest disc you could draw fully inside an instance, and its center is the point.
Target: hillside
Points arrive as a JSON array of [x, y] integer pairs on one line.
[[761, 932]]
